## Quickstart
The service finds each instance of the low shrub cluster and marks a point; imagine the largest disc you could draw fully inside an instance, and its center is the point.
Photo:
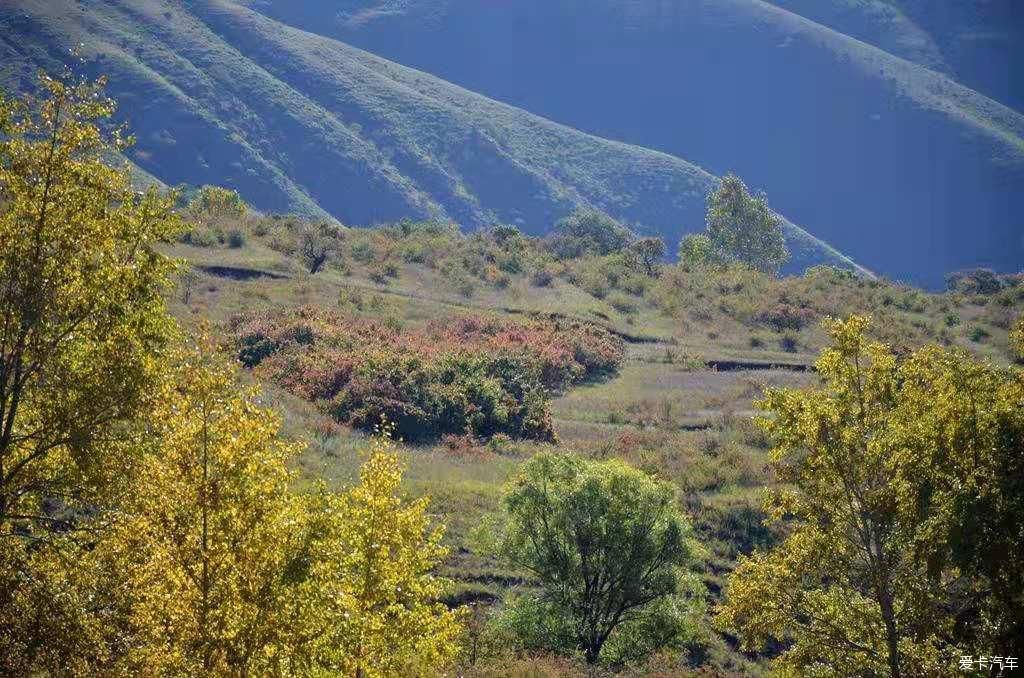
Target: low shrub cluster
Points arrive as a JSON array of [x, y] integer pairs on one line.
[[463, 376], [982, 281]]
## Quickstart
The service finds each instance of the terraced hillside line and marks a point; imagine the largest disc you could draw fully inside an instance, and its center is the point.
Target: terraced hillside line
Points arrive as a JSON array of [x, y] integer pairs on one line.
[[757, 366], [241, 273]]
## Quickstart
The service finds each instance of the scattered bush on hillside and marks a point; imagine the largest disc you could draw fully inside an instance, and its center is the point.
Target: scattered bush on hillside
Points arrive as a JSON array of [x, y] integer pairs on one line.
[[587, 231], [623, 304], [726, 294], [200, 236], [216, 214], [789, 342], [695, 250], [217, 203], [467, 375], [786, 317], [316, 244], [645, 254], [974, 281], [236, 238], [543, 277], [978, 334]]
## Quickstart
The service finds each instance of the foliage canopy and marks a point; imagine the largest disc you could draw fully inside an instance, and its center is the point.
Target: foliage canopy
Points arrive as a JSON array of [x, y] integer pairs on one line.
[[82, 319], [607, 546], [905, 476], [742, 228]]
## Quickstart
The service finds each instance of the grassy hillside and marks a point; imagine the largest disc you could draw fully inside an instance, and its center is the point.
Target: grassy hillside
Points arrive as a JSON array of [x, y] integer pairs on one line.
[[980, 44], [700, 345], [901, 166], [302, 123]]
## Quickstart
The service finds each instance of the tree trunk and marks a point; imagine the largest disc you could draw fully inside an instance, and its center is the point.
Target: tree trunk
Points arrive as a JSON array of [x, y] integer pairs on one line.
[[891, 635]]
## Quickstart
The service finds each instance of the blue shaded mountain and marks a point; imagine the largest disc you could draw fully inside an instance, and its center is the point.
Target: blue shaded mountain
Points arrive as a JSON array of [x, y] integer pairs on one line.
[[857, 116]]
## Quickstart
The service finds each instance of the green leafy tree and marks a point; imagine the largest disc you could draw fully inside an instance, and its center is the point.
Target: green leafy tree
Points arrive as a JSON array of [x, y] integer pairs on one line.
[[588, 231], [645, 254], [217, 203], [742, 228], [696, 250], [904, 479], [608, 547], [82, 317]]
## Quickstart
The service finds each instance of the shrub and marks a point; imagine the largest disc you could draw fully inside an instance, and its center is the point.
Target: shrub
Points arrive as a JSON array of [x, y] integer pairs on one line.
[[543, 277], [236, 238], [281, 240], [978, 334], [645, 254], [587, 231], [363, 252], [414, 252], [201, 236], [912, 301], [695, 250], [1017, 339], [595, 284], [216, 202], [467, 375], [465, 287], [783, 317], [974, 281], [315, 247]]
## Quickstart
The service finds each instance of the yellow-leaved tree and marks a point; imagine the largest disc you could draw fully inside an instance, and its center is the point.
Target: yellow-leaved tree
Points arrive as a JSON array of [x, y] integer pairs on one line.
[[1017, 338], [208, 538], [232, 573], [147, 523], [82, 330], [82, 319], [372, 576], [904, 494]]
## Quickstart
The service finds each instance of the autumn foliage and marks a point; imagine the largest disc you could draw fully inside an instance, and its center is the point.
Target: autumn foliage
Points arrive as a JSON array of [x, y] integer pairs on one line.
[[467, 375]]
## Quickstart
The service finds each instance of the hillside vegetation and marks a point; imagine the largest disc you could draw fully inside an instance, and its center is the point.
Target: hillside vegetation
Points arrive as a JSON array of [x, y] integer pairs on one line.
[[701, 343]]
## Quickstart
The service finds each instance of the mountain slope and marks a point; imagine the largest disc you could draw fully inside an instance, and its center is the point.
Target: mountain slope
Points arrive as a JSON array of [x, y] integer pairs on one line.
[[298, 122], [980, 44], [897, 164]]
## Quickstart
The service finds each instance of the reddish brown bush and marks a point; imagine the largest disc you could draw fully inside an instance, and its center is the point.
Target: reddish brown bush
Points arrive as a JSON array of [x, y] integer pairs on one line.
[[468, 375]]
